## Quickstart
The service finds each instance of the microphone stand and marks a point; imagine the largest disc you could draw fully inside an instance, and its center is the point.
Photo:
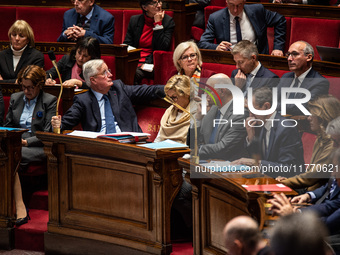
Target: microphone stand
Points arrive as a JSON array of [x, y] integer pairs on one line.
[[169, 100], [53, 58]]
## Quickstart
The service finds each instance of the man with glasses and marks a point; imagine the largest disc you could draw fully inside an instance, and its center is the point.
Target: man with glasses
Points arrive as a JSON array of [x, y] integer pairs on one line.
[[149, 31], [300, 57], [87, 19], [240, 21], [108, 106]]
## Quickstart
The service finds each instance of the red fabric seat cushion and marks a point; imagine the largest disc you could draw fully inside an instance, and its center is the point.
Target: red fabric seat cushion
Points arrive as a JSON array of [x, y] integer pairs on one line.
[[118, 37], [8, 16]]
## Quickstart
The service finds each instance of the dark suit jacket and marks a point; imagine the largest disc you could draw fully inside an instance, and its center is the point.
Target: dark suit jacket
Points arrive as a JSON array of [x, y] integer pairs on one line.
[[44, 109], [101, 26], [65, 65], [161, 39], [314, 82], [219, 28], [30, 56], [263, 77], [284, 147], [229, 139], [329, 210], [85, 108]]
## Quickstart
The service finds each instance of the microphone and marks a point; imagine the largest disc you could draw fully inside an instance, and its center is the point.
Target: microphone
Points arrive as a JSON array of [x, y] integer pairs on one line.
[[168, 99], [52, 57]]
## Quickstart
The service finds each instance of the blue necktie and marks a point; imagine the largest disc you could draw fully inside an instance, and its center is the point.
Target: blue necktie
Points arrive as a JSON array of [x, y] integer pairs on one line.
[[214, 132], [248, 83], [109, 118], [238, 29], [296, 85]]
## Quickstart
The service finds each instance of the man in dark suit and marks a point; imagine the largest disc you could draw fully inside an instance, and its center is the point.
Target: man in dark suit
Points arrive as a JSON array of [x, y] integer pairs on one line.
[[87, 19], [222, 141], [248, 22], [280, 146], [250, 72], [91, 108], [300, 58], [309, 2]]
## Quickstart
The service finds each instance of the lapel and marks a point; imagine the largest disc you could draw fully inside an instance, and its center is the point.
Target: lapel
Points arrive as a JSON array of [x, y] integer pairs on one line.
[[306, 82], [24, 59], [38, 107], [335, 192], [253, 19], [114, 104], [207, 123], [272, 136], [225, 23], [139, 28], [95, 109], [258, 78], [94, 18], [18, 108], [9, 62]]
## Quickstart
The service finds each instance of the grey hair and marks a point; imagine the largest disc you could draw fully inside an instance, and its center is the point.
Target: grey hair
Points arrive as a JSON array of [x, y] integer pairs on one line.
[[263, 95], [181, 48], [246, 49], [333, 127], [308, 49], [91, 68]]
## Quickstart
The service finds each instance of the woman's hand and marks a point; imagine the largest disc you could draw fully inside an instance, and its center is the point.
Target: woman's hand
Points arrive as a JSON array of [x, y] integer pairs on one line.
[[159, 16], [50, 81]]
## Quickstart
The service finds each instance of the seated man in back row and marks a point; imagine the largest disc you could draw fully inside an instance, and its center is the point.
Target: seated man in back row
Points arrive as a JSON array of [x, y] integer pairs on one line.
[[108, 106], [244, 22]]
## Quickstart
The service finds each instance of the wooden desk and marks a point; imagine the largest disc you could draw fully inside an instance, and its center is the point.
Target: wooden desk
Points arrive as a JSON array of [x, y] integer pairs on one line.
[[67, 97], [126, 61], [109, 197], [10, 156], [216, 200]]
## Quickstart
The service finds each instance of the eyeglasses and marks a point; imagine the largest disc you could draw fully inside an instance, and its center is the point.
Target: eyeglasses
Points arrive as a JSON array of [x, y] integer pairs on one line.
[[155, 3], [293, 54], [192, 56], [105, 73], [79, 1], [29, 88]]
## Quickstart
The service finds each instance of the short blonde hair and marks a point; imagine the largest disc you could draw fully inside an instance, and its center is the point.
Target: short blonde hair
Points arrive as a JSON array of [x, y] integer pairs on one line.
[[181, 48], [22, 27], [180, 84]]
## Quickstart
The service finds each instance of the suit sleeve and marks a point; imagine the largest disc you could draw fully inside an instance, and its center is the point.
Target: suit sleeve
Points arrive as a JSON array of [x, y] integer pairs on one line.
[[73, 115], [162, 37], [208, 37], [130, 34], [105, 36], [62, 37], [50, 110], [273, 19], [141, 94]]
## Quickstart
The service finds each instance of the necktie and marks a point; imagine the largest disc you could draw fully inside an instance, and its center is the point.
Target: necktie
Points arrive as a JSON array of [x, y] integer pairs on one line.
[[264, 142], [81, 21], [109, 118], [238, 29], [214, 132], [296, 85], [330, 188], [248, 82]]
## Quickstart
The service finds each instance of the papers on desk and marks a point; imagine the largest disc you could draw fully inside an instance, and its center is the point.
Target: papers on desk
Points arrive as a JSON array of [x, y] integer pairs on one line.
[[166, 144], [123, 137], [11, 129], [267, 187]]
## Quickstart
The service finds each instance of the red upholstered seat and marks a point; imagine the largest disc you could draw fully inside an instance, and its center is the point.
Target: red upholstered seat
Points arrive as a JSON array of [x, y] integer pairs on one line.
[[111, 64], [196, 33], [163, 66], [149, 119], [118, 36], [46, 22], [8, 16], [316, 32], [209, 10], [218, 3], [334, 88], [219, 68]]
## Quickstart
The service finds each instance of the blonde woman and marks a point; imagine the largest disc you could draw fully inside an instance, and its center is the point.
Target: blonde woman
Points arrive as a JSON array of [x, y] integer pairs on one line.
[[323, 110]]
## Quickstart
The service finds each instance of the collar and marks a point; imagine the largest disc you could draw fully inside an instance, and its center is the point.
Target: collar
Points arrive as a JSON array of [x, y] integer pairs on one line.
[[232, 17], [303, 75], [224, 108], [254, 72], [89, 15], [268, 124], [18, 52], [33, 101], [98, 95]]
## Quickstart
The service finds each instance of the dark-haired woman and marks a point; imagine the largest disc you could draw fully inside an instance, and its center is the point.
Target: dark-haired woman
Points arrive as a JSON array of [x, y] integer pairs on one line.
[[31, 109], [70, 66]]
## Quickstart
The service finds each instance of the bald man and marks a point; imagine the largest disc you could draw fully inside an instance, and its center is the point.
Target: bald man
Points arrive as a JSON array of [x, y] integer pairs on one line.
[[243, 237]]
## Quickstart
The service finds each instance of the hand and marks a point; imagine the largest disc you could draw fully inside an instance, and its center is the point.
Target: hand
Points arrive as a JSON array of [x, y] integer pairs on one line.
[[244, 161], [304, 198], [277, 53], [24, 142], [277, 2], [280, 178], [69, 32], [56, 122], [240, 79], [49, 81], [78, 32], [198, 114], [250, 130], [159, 16], [224, 46], [73, 83], [1, 79], [281, 205]]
